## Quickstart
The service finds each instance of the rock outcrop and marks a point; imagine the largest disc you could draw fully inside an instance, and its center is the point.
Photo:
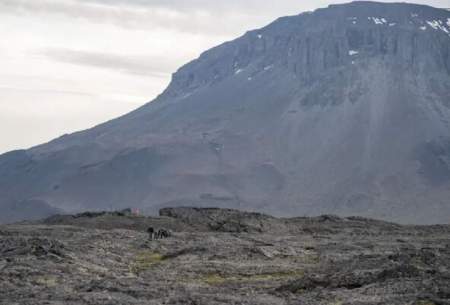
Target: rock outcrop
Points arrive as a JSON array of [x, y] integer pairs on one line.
[[322, 261]]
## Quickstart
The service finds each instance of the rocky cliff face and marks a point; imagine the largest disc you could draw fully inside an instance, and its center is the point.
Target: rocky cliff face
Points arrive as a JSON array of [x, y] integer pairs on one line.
[[344, 110]]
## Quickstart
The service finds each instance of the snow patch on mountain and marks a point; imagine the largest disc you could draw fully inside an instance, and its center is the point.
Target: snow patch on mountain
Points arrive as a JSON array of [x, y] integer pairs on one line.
[[438, 25], [378, 21]]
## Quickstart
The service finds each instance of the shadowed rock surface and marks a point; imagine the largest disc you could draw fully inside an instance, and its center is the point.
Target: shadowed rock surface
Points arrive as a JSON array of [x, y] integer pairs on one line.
[[345, 110], [92, 259]]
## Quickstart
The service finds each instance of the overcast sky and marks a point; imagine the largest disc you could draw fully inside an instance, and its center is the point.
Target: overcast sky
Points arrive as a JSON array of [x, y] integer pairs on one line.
[[68, 65]]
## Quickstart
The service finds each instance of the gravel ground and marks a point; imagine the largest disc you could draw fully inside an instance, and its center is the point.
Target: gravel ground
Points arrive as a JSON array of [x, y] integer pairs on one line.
[[223, 257]]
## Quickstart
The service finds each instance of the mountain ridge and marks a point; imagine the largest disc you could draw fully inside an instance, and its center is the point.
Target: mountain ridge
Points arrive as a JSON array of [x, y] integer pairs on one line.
[[342, 110]]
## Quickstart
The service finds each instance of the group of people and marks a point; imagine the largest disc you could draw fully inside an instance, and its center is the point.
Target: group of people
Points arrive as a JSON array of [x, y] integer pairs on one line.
[[158, 234]]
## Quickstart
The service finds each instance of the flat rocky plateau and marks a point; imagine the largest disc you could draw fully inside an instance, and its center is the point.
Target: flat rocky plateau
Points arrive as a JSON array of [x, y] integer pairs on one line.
[[222, 257]]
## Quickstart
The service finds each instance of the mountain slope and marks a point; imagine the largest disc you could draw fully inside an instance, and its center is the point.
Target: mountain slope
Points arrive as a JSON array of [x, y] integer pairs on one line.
[[345, 110]]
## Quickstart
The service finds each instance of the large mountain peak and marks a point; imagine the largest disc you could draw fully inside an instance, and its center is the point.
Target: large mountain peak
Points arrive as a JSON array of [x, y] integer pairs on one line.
[[309, 44], [342, 110]]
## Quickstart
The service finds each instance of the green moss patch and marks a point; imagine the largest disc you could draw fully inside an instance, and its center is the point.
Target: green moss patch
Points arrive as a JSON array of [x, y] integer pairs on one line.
[[218, 279], [144, 260]]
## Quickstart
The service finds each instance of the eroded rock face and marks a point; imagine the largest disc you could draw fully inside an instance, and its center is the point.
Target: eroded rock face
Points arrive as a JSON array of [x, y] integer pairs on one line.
[[222, 220], [343, 111], [324, 260]]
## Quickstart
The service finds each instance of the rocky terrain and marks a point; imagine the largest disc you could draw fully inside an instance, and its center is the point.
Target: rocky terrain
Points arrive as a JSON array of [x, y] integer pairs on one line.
[[344, 110], [222, 257]]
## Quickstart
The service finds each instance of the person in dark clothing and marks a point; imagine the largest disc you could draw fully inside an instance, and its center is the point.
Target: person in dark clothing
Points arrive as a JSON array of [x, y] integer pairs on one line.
[[158, 234], [162, 233], [151, 233]]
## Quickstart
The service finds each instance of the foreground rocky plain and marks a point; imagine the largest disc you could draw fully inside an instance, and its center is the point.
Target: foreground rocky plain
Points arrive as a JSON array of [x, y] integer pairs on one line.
[[222, 257]]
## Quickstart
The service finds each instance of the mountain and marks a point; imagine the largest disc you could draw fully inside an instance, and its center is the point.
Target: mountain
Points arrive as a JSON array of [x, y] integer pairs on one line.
[[344, 110]]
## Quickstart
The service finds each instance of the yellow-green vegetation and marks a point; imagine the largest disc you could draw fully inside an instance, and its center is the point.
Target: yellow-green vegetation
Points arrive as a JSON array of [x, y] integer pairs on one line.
[[311, 258], [48, 281], [424, 303], [144, 260], [418, 263], [218, 279], [305, 259]]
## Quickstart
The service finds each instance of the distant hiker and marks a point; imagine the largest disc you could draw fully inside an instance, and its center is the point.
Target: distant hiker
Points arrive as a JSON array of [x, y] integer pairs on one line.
[[158, 234], [151, 233], [162, 233]]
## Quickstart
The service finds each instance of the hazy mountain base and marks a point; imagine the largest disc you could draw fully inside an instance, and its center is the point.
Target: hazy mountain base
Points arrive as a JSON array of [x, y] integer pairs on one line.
[[223, 257]]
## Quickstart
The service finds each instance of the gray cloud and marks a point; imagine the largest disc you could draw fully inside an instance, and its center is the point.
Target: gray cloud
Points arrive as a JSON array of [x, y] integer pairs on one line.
[[206, 5], [194, 16], [138, 16], [247, 6], [47, 91], [151, 66]]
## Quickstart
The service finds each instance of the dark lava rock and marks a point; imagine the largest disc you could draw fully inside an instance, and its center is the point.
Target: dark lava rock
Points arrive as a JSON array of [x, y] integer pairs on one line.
[[218, 257], [221, 220]]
